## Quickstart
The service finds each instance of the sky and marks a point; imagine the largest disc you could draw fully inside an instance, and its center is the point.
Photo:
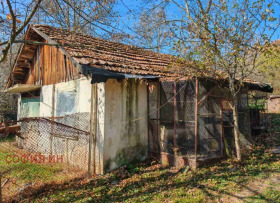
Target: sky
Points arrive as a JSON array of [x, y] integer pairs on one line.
[[128, 18], [128, 10]]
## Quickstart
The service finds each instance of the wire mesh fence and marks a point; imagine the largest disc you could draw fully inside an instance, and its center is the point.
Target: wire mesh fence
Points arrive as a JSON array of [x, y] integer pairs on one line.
[[209, 120], [47, 137], [177, 116], [259, 117], [174, 128], [45, 150]]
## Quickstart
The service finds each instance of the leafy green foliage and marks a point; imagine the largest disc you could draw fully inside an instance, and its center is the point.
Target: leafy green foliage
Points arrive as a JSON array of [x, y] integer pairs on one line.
[[269, 65]]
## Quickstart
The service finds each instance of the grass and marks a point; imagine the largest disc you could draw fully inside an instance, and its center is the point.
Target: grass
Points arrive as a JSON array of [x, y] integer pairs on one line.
[[21, 176], [156, 183], [9, 138], [26, 172], [255, 179], [275, 125]]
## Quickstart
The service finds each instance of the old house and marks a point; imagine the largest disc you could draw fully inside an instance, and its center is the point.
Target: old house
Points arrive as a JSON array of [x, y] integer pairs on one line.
[[137, 106]]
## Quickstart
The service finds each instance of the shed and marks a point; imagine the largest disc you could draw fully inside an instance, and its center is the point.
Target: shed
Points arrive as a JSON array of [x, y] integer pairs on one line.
[[146, 103]]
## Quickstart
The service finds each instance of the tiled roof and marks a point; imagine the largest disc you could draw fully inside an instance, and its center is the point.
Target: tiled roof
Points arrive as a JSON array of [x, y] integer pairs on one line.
[[117, 57]]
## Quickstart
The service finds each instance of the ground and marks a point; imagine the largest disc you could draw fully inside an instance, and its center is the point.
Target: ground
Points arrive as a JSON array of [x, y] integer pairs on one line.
[[256, 179]]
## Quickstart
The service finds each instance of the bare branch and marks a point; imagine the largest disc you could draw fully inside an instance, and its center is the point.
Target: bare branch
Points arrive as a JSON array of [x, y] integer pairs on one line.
[[18, 31]]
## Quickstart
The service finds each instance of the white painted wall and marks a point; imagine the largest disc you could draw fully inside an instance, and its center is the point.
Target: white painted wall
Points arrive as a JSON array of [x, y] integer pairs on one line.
[[46, 101], [84, 89], [125, 141], [77, 94], [120, 140]]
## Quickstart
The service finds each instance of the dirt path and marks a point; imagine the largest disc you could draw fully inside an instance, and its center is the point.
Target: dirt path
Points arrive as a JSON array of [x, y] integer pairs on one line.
[[259, 189]]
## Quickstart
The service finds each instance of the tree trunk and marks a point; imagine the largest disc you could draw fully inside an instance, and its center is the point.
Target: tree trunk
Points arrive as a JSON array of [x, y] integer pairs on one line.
[[236, 128]]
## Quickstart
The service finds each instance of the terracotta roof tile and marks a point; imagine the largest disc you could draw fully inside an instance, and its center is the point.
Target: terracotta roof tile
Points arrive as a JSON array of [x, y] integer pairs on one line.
[[117, 57]]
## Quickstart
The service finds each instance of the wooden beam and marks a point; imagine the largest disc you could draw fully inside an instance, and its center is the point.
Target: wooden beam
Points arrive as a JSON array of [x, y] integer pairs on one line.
[[32, 42], [196, 120], [95, 125], [20, 88], [90, 131], [175, 125], [210, 91]]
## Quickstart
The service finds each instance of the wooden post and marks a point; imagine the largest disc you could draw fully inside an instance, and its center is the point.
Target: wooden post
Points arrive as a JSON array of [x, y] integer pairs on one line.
[[90, 130], [175, 109], [175, 126], [196, 120], [148, 120], [221, 128], [67, 151], [248, 113], [157, 130], [52, 123], [95, 127]]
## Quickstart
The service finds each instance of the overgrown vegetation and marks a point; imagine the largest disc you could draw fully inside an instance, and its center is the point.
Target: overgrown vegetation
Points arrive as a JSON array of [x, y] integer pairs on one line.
[[18, 175], [275, 126], [145, 182], [255, 179], [26, 172]]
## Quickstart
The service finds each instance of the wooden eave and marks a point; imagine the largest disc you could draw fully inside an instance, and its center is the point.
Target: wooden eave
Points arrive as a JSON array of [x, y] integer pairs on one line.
[[26, 54], [21, 88], [23, 60]]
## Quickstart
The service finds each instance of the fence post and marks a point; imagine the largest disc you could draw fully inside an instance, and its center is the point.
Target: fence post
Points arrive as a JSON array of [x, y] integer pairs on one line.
[[221, 128], [90, 131], [95, 127], [52, 127], [196, 120], [175, 149]]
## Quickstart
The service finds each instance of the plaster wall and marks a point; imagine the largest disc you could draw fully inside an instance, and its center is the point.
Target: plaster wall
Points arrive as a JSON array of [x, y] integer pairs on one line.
[[72, 107], [126, 139]]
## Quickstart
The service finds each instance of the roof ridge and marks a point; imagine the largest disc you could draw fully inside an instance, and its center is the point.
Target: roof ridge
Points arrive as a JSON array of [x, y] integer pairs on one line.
[[105, 40]]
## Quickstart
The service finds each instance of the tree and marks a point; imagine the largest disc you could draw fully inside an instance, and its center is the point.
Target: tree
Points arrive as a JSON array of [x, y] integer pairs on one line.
[[93, 17], [17, 19], [153, 30], [226, 36], [270, 65]]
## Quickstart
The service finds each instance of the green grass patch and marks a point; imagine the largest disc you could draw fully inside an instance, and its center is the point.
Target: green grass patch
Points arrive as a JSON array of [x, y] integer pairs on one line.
[[157, 184], [147, 182], [9, 138], [269, 195], [26, 172]]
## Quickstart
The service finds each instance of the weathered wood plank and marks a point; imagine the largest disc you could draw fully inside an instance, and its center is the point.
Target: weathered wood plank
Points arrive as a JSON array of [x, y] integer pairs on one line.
[[49, 65]]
